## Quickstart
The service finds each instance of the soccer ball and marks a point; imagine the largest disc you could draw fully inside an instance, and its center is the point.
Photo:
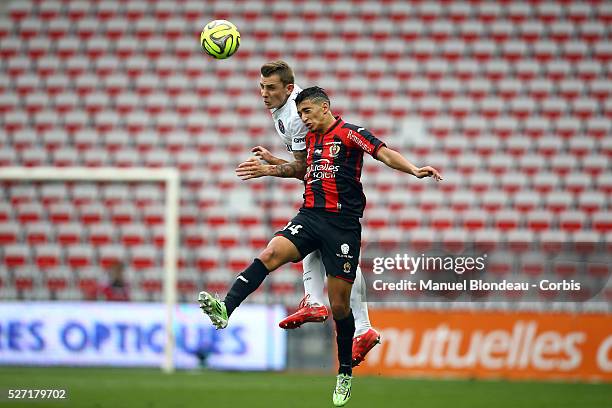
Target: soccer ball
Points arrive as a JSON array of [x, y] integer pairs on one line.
[[220, 39]]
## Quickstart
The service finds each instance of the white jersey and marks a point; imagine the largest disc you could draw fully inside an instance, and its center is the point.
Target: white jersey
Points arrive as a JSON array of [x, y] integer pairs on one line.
[[288, 124]]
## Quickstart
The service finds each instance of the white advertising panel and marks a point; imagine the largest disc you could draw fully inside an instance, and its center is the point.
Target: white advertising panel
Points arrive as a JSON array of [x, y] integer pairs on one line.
[[132, 334]]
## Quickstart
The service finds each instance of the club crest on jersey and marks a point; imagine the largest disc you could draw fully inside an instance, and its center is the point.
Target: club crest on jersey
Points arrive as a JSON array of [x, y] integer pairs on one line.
[[334, 150], [281, 126], [347, 267]]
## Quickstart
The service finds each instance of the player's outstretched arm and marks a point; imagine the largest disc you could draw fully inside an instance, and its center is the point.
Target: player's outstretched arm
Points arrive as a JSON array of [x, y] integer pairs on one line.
[[396, 161], [253, 168], [264, 154]]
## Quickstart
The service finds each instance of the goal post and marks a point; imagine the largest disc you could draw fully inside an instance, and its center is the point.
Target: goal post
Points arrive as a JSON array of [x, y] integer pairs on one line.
[[171, 178]]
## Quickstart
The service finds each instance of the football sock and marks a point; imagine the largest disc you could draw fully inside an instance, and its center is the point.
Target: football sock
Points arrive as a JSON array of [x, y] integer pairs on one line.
[[245, 284], [313, 277], [345, 329], [359, 305]]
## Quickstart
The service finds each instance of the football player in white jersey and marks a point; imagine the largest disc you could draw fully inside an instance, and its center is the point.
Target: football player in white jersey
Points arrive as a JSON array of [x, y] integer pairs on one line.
[[278, 91]]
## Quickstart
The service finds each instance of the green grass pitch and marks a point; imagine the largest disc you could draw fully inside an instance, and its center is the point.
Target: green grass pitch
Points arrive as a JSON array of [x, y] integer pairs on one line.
[[148, 388]]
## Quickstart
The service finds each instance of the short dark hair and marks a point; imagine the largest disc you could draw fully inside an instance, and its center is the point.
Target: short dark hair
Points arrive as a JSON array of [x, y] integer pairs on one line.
[[314, 93], [280, 68]]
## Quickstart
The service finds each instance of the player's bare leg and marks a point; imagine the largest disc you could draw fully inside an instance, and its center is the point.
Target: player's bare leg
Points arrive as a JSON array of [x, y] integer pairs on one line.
[[278, 252], [312, 307], [339, 298], [365, 336]]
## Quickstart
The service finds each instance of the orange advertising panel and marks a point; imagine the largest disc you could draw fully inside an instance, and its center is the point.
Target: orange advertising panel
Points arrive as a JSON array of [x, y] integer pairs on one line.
[[518, 345]]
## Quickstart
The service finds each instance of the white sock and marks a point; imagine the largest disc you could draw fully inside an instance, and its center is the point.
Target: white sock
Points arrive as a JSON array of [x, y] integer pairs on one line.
[[313, 276], [359, 305]]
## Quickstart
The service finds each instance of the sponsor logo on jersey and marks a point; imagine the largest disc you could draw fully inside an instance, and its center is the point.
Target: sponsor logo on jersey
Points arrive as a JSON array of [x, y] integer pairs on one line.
[[345, 248], [299, 139], [321, 169], [281, 126], [360, 142]]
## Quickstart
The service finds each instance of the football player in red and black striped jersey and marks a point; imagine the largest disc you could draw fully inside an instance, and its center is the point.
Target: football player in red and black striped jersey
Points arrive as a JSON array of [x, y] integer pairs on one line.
[[328, 220]]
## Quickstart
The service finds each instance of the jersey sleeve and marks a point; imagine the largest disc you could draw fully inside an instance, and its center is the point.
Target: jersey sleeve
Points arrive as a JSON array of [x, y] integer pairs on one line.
[[364, 139], [298, 135]]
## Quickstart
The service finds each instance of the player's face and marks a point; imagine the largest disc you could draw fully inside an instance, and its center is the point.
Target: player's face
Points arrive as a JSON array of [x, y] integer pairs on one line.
[[313, 115], [273, 92]]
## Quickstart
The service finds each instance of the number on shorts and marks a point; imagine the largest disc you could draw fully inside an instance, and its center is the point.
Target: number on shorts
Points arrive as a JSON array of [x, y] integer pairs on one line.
[[294, 228]]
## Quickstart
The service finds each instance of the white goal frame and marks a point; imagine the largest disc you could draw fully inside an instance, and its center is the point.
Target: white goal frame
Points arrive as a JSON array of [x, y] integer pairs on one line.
[[171, 178]]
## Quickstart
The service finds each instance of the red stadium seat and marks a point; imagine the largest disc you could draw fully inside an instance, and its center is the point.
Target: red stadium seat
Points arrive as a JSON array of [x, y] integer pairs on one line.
[[474, 220], [229, 236], [239, 259], [572, 221], [602, 221], [9, 233], [133, 234], [455, 241], [38, 233], [408, 219], [553, 241], [151, 281], [16, 255], [538, 221], [565, 269], [533, 263], [531, 164], [520, 240], [100, 234], [442, 219], [545, 182], [507, 220], [500, 263], [79, 256], [53, 193], [494, 200], [188, 282], [70, 233], [585, 242], [30, 212], [577, 182], [47, 256], [512, 183], [377, 218], [218, 281], [25, 279], [558, 201], [19, 10], [422, 239], [23, 193], [208, 259], [144, 257], [591, 201]]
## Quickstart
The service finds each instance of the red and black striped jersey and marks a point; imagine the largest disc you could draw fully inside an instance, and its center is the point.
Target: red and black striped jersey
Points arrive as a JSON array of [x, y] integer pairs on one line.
[[333, 169]]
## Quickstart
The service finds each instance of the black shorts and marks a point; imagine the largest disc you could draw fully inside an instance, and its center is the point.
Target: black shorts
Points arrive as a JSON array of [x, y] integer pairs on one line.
[[337, 237]]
